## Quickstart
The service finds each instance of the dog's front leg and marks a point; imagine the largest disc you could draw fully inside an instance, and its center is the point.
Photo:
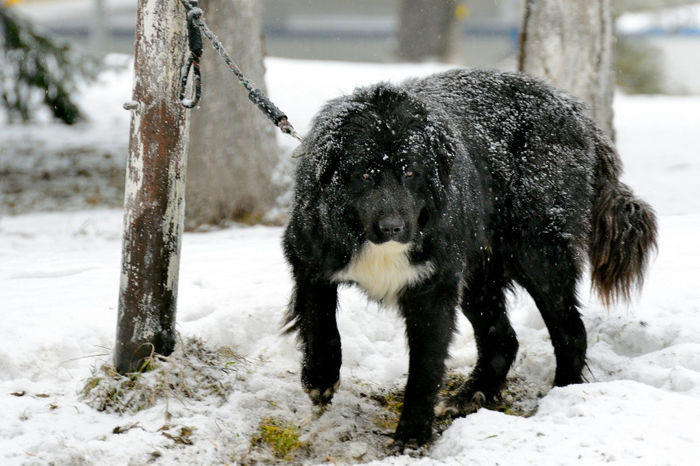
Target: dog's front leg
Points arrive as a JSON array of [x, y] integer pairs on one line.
[[313, 311], [429, 326]]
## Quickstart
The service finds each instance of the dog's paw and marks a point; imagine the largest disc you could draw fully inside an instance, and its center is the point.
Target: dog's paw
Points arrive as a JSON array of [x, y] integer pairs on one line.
[[459, 405], [411, 435], [320, 377], [321, 397], [399, 447]]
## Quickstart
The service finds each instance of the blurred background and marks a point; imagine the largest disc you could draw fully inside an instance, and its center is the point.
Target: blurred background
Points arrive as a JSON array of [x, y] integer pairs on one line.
[[71, 61], [654, 38]]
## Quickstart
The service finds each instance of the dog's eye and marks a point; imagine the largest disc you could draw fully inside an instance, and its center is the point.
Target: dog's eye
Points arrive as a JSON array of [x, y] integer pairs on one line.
[[366, 176], [408, 174]]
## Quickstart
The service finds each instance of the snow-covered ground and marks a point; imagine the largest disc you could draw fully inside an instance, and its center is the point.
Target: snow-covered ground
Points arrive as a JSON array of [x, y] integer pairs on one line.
[[59, 274]]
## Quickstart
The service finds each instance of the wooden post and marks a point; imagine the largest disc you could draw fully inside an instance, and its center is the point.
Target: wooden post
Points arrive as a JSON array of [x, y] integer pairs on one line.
[[154, 198]]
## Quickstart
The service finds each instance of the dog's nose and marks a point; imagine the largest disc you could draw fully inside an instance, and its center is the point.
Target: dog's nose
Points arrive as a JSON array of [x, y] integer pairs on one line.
[[391, 227]]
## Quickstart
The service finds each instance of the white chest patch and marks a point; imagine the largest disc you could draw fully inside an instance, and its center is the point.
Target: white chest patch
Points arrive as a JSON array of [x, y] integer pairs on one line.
[[383, 270]]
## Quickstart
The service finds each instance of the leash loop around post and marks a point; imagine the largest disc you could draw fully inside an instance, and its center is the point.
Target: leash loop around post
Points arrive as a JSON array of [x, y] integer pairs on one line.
[[192, 65], [194, 39]]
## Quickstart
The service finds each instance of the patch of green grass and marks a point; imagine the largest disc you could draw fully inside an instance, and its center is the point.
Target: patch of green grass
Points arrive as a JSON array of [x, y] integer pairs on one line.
[[393, 405], [281, 437]]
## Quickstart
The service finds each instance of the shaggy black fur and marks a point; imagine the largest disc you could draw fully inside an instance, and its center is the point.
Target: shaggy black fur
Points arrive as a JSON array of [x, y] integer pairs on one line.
[[493, 179]]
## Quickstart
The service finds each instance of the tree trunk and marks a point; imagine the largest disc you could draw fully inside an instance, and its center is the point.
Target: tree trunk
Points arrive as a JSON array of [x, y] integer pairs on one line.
[[569, 44], [233, 151], [426, 29], [154, 191]]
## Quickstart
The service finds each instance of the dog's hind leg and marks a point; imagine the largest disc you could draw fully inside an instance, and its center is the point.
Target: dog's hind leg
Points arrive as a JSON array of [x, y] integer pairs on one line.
[[313, 315], [550, 275], [484, 305]]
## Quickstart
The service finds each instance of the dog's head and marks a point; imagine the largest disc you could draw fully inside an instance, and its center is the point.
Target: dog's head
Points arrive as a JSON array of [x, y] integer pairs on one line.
[[382, 161]]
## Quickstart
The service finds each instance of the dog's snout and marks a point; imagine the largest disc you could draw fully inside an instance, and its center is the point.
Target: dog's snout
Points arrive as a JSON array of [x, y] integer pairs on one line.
[[391, 227]]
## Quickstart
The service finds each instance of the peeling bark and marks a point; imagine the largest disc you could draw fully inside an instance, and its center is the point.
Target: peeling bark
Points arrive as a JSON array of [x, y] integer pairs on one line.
[[155, 188]]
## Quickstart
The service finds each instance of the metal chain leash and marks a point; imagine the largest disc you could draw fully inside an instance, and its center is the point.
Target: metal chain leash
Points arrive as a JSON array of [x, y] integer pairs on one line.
[[195, 24]]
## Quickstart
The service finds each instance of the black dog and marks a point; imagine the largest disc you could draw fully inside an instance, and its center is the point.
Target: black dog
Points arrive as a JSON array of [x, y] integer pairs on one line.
[[443, 192]]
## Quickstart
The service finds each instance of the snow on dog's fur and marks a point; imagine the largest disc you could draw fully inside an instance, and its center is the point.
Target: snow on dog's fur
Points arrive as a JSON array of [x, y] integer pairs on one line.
[[444, 192]]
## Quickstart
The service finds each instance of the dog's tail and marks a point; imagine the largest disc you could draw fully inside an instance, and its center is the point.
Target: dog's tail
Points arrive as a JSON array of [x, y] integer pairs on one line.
[[623, 230]]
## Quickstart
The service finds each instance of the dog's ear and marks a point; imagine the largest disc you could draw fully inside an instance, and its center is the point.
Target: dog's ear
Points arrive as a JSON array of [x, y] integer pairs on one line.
[[443, 146], [322, 154], [325, 168], [340, 121]]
